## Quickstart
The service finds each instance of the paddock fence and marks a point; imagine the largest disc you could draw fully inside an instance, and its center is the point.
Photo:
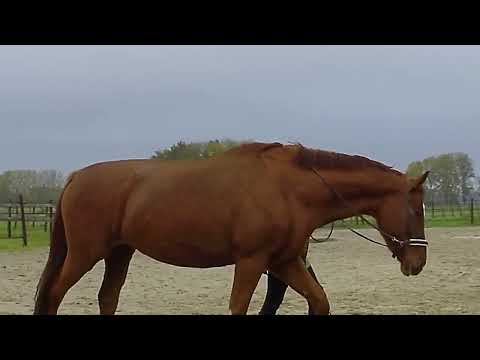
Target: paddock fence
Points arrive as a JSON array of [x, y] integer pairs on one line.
[[19, 216]]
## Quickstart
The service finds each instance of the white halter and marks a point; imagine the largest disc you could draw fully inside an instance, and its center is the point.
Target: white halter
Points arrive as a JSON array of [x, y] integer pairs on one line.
[[419, 242]]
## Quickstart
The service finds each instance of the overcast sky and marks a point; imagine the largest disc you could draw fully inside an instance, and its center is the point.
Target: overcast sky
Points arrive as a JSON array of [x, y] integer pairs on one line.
[[64, 107]]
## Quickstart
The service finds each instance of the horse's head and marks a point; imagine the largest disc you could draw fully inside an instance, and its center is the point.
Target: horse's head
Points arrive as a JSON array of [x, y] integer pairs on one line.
[[402, 216]]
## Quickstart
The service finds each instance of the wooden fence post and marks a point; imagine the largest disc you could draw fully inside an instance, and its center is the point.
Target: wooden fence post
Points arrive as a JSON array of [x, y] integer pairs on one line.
[[471, 211], [45, 224], [24, 228], [50, 213], [16, 216], [9, 224]]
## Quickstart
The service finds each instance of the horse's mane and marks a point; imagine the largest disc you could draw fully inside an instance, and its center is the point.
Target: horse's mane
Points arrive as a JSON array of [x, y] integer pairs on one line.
[[321, 159]]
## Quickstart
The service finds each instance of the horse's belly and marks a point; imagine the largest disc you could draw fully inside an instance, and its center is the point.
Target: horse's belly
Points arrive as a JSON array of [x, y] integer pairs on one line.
[[188, 255]]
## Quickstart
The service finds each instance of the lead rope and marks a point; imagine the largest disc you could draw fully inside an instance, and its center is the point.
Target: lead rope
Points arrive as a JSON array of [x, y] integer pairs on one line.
[[328, 236]]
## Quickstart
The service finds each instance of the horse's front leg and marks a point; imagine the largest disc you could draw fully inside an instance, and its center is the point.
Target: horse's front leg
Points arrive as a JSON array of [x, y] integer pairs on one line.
[[276, 288], [247, 273], [309, 269], [295, 274], [312, 273]]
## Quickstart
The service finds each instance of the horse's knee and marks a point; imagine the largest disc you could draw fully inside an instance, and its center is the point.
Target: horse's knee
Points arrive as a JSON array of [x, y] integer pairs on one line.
[[319, 305]]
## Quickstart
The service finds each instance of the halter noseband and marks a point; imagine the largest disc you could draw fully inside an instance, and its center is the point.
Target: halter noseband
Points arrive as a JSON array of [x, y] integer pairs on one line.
[[410, 242]]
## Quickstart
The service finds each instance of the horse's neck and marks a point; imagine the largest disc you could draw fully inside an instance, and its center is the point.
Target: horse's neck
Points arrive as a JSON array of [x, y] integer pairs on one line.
[[358, 206], [362, 192]]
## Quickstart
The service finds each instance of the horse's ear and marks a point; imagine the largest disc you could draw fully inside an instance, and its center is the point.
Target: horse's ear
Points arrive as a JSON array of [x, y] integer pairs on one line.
[[418, 182]]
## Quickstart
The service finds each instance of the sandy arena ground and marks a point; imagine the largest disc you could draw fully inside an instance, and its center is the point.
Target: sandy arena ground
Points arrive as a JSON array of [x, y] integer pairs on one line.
[[359, 278]]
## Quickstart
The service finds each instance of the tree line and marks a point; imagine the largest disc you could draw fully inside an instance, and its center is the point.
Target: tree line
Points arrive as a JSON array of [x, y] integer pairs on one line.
[[35, 186], [46, 185], [452, 179], [196, 150]]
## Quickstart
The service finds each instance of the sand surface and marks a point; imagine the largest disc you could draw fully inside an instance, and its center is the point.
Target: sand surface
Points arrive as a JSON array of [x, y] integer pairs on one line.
[[359, 278]]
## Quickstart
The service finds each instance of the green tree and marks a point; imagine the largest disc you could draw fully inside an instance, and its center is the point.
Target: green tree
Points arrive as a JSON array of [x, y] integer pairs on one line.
[[448, 178], [4, 192], [195, 150], [415, 168], [35, 186], [452, 178], [178, 151], [466, 175]]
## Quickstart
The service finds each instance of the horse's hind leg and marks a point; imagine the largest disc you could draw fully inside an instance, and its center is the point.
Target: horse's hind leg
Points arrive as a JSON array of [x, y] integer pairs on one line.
[[245, 280], [116, 268], [71, 272], [296, 276]]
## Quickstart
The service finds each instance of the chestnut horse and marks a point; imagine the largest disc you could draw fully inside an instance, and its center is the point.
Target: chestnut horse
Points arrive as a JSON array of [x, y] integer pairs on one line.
[[253, 207]]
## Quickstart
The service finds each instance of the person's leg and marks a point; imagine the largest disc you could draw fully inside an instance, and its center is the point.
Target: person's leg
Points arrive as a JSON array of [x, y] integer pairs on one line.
[[276, 289]]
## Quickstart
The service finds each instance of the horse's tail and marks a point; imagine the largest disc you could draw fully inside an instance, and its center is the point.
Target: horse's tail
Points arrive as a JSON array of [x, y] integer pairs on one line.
[[56, 258]]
